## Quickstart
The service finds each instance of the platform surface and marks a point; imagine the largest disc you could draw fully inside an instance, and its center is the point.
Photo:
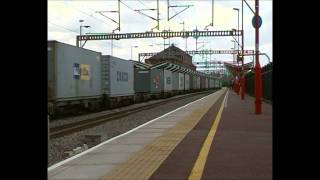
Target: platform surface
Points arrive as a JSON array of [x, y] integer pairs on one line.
[[216, 137], [138, 154]]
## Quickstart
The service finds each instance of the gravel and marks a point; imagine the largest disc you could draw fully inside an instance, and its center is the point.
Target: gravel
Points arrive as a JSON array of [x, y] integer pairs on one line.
[[58, 146]]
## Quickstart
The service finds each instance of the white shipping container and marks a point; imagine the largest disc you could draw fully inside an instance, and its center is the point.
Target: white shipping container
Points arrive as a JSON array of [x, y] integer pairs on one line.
[[73, 72], [216, 83], [211, 83], [175, 81], [167, 80], [186, 82], [117, 76], [194, 83], [181, 81], [198, 82], [206, 85]]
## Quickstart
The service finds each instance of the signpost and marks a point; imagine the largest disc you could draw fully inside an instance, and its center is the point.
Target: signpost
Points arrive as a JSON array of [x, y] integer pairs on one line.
[[256, 24], [258, 82]]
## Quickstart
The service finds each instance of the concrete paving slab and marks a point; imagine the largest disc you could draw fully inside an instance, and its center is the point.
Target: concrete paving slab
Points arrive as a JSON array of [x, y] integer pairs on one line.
[[83, 172], [102, 159], [118, 148]]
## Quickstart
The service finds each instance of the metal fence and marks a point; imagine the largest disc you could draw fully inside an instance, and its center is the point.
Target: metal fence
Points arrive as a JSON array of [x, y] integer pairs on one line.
[[266, 82]]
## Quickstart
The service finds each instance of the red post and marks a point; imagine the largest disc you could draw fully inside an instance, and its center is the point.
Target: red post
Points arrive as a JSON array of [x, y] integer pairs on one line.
[[257, 77], [239, 86], [242, 87], [242, 47]]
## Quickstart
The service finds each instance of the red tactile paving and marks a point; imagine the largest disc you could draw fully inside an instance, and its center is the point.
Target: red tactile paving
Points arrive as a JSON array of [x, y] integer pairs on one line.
[[179, 163], [242, 146]]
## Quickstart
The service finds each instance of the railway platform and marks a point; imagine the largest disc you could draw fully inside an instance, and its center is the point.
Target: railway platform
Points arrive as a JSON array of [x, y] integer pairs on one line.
[[216, 137]]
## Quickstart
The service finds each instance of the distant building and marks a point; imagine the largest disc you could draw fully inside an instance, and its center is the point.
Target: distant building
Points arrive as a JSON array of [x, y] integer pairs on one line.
[[172, 55]]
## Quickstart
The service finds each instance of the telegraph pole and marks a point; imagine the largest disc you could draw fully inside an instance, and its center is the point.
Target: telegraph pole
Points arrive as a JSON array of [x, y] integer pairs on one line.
[[157, 14], [212, 14]]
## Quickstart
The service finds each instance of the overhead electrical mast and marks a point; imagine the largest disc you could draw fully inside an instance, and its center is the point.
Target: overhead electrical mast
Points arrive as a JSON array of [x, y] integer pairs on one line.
[[116, 22], [212, 11], [186, 38], [174, 6], [150, 9]]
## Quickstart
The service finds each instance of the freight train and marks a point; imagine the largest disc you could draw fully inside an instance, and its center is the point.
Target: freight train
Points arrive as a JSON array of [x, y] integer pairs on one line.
[[82, 79]]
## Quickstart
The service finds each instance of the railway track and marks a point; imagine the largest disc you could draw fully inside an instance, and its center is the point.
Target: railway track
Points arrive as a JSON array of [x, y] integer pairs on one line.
[[59, 131]]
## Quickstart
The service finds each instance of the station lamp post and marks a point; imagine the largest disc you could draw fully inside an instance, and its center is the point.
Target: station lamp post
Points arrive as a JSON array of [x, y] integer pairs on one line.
[[81, 21], [236, 9], [240, 57], [234, 48]]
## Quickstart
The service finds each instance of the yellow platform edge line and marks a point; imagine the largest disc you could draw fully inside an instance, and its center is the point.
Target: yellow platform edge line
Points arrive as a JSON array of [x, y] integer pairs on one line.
[[198, 167]]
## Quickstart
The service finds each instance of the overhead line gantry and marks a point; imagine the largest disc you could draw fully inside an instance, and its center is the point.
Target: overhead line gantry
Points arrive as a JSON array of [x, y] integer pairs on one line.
[[245, 52], [171, 34]]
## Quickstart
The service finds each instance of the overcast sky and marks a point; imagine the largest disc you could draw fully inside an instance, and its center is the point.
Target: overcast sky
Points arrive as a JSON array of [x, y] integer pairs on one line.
[[64, 16]]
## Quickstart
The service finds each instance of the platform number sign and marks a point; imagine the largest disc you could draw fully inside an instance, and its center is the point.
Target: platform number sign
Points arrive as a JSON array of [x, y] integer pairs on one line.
[[254, 21]]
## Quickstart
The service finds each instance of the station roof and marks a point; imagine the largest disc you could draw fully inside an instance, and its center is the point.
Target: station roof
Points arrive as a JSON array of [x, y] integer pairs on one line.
[[173, 68], [176, 68], [233, 68], [141, 65]]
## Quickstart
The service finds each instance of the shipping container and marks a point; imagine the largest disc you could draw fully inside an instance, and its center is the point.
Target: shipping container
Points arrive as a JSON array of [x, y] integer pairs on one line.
[[73, 73], [202, 82], [167, 81], [198, 82], [181, 81], [117, 76], [156, 79], [191, 81], [186, 82], [142, 80], [217, 83], [211, 83], [175, 81], [206, 83]]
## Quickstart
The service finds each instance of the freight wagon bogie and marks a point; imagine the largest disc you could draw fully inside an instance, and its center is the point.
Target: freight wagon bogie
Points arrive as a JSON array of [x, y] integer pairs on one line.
[[142, 97], [73, 107], [115, 102]]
